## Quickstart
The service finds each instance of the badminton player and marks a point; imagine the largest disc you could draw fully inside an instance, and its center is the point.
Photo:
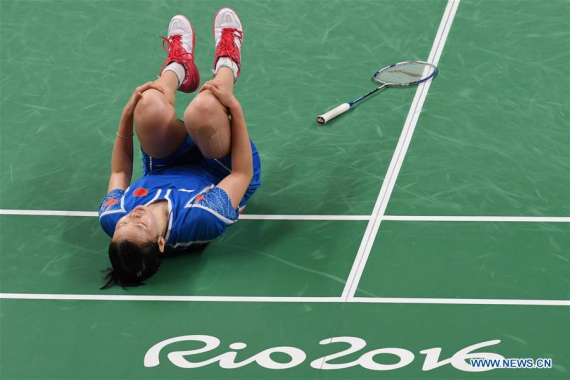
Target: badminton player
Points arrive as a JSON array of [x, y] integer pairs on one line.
[[198, 172]]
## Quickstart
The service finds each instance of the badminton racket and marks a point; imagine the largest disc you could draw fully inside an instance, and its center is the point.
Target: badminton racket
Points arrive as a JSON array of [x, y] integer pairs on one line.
[[398, 74]]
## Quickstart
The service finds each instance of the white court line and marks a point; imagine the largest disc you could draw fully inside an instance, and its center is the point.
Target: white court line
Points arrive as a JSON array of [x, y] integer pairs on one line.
[[243, 217], [304, 217], [398, 157], [102, 297], [397, 218], [536, 219], [435, 301], [47, 213], [461, 301]]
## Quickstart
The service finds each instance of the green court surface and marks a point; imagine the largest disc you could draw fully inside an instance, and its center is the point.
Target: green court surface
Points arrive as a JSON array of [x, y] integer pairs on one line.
[[426, 225]]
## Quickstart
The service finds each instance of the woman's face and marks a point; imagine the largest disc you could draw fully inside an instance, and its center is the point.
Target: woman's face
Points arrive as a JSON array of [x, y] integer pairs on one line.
[[138, 226]]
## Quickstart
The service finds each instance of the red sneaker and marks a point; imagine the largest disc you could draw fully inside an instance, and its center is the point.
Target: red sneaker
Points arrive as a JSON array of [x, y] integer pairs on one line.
[[228, 33], [180, 47]]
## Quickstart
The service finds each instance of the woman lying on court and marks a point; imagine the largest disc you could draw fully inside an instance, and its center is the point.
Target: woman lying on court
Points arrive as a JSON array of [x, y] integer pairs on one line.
[[198, 173]]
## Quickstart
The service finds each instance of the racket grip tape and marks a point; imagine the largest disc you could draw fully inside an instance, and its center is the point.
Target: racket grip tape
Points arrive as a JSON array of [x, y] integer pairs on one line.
[[322, 119]]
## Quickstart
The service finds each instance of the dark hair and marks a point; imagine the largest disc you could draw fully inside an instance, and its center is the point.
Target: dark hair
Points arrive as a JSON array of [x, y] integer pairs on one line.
[[132, 264]]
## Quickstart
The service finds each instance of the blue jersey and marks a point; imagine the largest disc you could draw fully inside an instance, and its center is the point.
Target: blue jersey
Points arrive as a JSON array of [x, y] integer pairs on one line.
[[198, 211]]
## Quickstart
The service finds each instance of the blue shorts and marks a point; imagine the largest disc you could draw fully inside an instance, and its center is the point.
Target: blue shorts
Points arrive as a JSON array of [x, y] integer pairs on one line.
[[187, 155]]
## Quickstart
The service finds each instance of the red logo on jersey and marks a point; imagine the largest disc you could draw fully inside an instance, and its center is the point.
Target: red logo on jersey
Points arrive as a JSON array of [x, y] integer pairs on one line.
[[142, 192], [109, 203], [199, 198]]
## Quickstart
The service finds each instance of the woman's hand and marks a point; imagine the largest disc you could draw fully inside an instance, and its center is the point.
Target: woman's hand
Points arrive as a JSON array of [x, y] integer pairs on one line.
[[137, 94], [222, 92]]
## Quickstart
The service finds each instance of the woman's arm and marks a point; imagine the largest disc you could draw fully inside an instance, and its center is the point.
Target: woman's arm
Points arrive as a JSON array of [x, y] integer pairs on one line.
[[236, 183], [122, 158]]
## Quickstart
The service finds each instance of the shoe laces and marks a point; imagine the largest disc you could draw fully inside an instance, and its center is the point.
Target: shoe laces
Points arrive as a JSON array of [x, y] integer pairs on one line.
[[173, 46], [227, 43]]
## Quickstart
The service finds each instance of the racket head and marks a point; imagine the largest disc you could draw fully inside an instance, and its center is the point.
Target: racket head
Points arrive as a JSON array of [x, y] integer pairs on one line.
[[406, 73]]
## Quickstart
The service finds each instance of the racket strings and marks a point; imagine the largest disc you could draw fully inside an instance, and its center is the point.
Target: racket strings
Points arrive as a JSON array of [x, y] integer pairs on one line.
[[406, 73]]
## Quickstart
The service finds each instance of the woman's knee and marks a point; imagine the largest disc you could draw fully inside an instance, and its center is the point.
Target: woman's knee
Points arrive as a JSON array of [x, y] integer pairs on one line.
[[207, 122], [153, 111], [202, 110]]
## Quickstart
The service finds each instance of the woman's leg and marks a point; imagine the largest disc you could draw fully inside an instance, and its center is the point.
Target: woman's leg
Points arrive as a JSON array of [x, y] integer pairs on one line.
[[207, 121], [159, 131]]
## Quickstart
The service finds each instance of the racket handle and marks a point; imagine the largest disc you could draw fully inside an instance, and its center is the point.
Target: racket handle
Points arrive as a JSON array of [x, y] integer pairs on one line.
[[322, 119]]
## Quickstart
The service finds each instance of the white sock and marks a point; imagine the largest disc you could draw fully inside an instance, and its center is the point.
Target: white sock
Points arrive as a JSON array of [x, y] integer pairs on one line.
[[227, 62], [177, 69]]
